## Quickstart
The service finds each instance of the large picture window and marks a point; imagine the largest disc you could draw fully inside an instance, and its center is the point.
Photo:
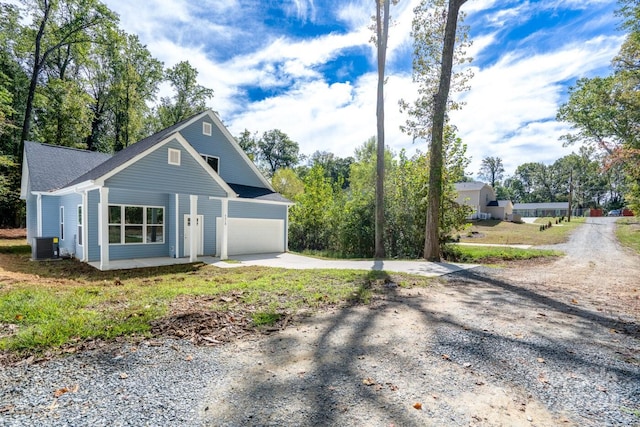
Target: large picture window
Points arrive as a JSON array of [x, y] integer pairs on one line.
[[80, 225], [136, 224]]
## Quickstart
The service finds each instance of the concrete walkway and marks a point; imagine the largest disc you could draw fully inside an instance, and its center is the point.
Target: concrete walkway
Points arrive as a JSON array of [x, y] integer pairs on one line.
[[299, 262]]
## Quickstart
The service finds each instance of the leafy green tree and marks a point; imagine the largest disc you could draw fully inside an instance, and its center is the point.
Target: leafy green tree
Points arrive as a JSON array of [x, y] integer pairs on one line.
[[56, 26], [190, 98], [249, 143], [336, 168], [491, 170], [438, 44], [309, 217], [277, 151], [287, 183]]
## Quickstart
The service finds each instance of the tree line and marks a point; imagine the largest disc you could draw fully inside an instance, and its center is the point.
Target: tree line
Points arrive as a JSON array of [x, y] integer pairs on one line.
[[70, 76]]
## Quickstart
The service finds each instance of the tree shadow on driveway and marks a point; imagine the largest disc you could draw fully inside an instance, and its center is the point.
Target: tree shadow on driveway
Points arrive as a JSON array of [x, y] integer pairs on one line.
[[445, 348]]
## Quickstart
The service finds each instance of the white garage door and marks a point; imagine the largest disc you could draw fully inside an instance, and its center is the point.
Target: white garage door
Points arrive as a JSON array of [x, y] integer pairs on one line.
[[251, 236]]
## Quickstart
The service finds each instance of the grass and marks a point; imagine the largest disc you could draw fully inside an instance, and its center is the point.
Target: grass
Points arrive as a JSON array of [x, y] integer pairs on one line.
[[489, 254], [509, 233], [50, 305], [628, 232]]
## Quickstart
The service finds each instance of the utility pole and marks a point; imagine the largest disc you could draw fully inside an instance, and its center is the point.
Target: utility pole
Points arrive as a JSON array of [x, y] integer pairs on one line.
[[570, 194]]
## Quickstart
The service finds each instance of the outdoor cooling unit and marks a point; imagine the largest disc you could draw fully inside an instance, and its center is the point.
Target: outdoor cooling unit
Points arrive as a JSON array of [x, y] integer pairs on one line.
[[45, 248]]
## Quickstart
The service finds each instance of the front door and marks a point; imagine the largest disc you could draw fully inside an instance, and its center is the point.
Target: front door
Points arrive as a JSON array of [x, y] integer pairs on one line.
[[187, 234]]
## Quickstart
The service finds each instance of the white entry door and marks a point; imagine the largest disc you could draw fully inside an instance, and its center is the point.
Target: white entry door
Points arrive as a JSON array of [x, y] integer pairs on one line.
[[199, 234]]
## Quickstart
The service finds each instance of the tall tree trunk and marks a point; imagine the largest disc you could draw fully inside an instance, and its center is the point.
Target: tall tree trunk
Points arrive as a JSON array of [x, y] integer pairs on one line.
[[382, 34], [35, 73], [432, 235]]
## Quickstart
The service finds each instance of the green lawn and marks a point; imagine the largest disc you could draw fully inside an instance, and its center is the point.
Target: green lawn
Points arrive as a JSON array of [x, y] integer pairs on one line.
[[48, 305], [510, 233], [491, 255], [628, 232]]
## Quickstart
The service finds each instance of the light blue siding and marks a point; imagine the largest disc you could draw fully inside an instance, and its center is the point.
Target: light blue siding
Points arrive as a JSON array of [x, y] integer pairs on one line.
[[249, 209], [70, 242], [153, 173], [93, 199], [32, 217], [233, 167], [170, 219], [50, 216], [120, 196], [211, 210]]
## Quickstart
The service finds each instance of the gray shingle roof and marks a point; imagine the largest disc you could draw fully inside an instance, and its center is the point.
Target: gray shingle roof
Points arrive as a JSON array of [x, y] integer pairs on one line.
[[52, 167], [469, 186], [257, 193]]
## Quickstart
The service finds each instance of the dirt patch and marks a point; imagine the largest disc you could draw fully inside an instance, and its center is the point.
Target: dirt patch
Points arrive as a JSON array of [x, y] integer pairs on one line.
[[13, 233]]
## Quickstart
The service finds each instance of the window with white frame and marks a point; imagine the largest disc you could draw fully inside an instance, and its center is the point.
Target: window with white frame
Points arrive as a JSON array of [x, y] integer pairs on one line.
[[136, 224], [212, 161], [206, 128], [174, 157], [61, 222], [80, 225]]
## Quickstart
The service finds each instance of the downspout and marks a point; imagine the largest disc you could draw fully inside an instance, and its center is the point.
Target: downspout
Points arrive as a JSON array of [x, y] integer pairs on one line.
[[177, 253]]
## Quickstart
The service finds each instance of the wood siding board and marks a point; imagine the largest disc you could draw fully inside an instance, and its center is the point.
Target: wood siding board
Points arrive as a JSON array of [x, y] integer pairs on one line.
[[153, 173], [50, 216], [32, 217]]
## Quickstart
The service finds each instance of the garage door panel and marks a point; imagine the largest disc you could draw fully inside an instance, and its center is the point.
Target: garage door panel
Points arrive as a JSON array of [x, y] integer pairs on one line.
[[252, 236]]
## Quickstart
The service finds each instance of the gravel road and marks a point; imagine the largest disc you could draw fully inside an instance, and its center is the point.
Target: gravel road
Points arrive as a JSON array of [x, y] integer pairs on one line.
[[536, 345]]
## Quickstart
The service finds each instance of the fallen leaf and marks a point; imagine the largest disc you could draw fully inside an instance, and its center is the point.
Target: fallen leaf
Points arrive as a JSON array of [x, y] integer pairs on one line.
[[189, 358], [368, 381], [19, 317], [446, 357], [7, 408], [59, 392], [417, 405], [574, 301], [540, 360], [124, 375]]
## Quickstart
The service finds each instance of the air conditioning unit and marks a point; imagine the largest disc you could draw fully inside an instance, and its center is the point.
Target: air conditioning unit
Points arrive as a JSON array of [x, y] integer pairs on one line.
[[45, 248]]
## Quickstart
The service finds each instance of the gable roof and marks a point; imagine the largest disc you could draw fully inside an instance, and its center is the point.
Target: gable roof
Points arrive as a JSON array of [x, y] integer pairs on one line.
[[470, 186], [128, 153], [51, 167]]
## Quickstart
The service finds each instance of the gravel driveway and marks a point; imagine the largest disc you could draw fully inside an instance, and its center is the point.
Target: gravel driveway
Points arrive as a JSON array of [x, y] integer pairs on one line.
[[536, 345]]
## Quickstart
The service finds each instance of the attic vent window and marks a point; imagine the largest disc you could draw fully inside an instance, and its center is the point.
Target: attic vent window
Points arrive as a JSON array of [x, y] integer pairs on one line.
[[174, 157], [206, 128]]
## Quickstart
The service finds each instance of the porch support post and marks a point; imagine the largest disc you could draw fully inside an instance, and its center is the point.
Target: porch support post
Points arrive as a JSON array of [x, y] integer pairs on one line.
[[85, 227], [104, 228], [225, 230], [193, 206], [177, 254]]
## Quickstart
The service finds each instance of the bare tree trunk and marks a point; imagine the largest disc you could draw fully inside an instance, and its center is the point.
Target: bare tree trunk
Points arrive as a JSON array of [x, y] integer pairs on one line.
[[382, 34], [432, 238]]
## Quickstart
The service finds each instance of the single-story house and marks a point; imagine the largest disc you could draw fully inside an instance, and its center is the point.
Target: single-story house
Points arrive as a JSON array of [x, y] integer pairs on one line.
[[482, 199], [185, 191], [554, 209]]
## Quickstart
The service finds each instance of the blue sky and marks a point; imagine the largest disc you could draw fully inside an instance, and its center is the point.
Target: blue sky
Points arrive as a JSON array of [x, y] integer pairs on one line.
[[307, 67]]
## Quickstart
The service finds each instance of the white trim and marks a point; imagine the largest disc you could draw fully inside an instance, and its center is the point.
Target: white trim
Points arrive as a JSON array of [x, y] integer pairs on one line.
[[103, 222], [85, 228], [173, 156], [193, 214], [211, 157], [207, 128], [39, 213], [264, 202], [224, 244], [144, 224], [177, 254], [61, 222], [24, 181], [80, 223]]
